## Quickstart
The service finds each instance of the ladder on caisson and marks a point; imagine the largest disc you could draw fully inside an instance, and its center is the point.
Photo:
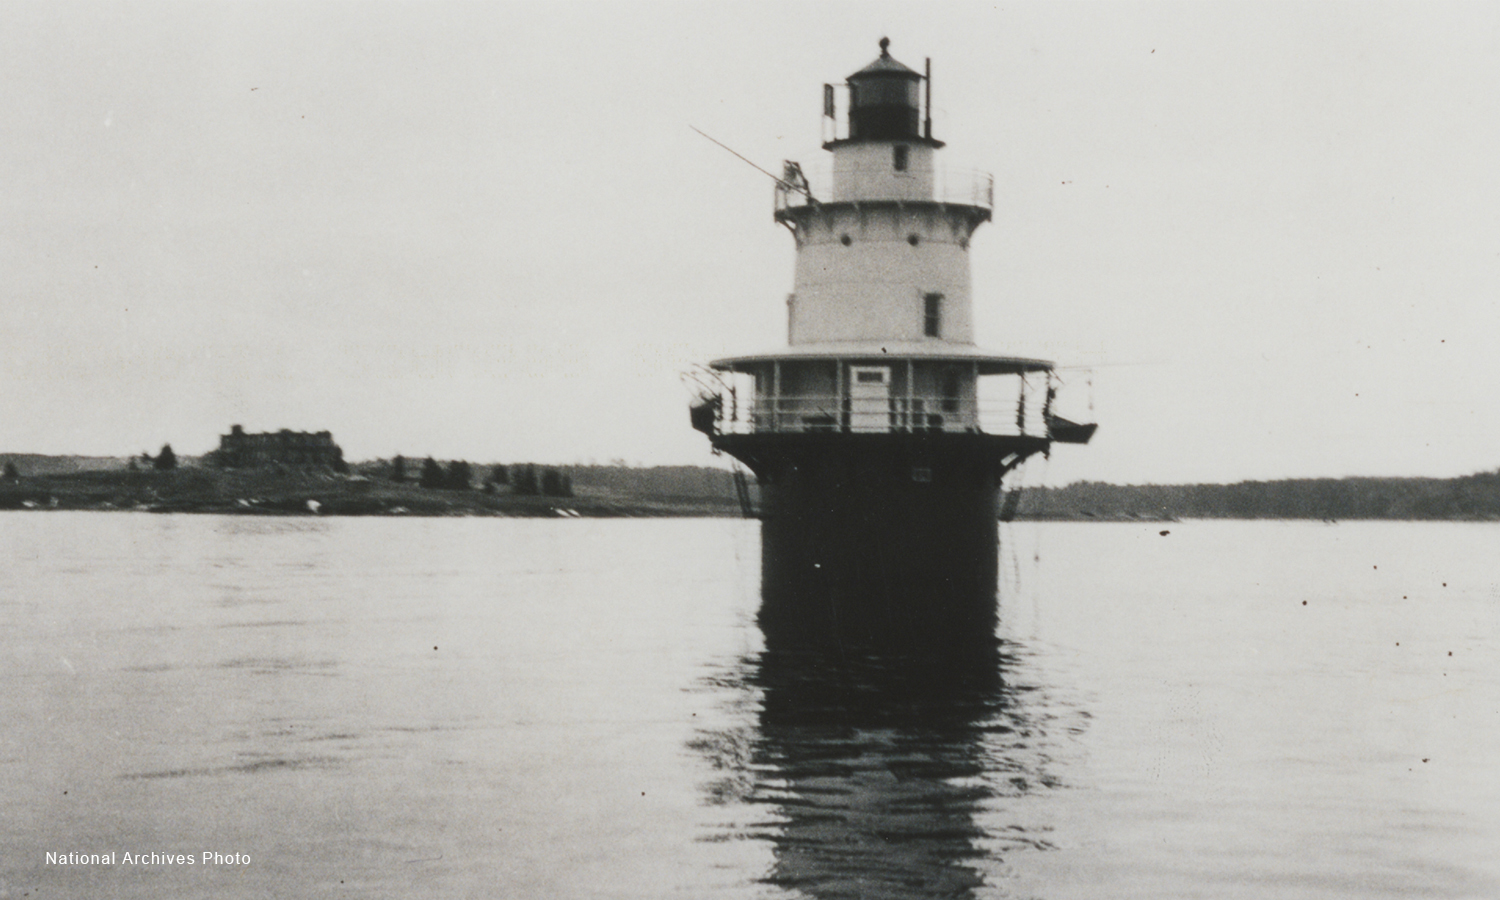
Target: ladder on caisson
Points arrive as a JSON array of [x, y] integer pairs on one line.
[[742, 490]]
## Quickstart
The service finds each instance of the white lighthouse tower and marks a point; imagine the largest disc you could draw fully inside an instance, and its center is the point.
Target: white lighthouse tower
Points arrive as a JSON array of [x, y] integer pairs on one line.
[[878, 453]]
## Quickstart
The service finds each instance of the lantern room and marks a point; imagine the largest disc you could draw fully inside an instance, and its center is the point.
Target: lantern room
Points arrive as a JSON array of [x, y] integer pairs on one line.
[[885, 100]]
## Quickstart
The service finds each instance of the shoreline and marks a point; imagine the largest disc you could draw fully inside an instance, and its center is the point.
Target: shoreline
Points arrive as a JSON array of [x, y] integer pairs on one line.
[[695, 492], [270, 493]]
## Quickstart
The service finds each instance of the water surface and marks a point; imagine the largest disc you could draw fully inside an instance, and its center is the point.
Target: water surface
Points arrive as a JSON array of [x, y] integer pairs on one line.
[[584, 708]]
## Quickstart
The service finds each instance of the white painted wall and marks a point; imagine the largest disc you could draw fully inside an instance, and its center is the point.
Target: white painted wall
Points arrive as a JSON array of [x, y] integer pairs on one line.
[[872, 288], [866, 171]]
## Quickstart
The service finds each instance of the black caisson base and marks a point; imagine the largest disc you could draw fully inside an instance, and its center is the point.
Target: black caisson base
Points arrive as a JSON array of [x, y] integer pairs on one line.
[[880, 542]]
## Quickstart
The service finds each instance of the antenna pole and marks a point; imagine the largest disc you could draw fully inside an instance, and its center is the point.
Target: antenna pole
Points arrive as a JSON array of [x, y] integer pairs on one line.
[[778, 179], [929, 98]]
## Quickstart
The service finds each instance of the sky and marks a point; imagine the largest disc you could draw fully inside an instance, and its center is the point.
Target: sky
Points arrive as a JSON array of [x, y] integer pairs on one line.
[[1263, 240]]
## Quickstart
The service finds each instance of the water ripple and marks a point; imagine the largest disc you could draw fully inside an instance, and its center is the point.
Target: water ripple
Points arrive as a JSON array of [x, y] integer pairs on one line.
[[884, 776]]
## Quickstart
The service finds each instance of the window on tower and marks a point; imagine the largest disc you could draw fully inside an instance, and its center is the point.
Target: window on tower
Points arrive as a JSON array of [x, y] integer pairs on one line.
[[932, 315], [900, 156]]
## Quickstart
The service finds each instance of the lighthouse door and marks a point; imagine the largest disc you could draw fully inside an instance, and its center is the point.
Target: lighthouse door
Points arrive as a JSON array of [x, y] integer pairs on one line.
[[869, 398]]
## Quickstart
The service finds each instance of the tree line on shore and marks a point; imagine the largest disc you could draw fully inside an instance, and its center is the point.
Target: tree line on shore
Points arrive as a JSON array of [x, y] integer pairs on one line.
[[522, 479], [1466, 497], [164, 461]]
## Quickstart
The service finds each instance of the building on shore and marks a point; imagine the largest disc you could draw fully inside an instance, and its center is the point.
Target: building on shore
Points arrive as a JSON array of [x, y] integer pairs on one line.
[[300, 449]]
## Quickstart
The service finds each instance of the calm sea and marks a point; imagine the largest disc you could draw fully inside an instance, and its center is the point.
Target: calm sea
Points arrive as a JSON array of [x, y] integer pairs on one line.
[[508, 708]]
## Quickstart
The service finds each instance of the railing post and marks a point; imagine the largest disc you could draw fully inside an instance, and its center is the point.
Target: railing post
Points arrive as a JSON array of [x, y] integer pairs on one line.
[[776, 395], [1021, 408], [838, 395], [911, 424]]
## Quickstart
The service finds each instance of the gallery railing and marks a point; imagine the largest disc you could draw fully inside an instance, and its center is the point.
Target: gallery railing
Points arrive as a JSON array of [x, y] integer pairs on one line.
[[728, 414]]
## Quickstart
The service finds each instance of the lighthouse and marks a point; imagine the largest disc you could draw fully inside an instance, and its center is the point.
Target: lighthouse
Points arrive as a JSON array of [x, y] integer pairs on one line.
[[880, 435]]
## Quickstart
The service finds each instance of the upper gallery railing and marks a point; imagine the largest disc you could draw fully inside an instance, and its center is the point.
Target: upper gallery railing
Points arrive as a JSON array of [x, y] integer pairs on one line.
[[800, 187]]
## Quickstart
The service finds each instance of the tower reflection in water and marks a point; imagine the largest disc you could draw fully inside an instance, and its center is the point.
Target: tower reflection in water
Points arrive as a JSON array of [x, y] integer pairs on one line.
[[880, 776]]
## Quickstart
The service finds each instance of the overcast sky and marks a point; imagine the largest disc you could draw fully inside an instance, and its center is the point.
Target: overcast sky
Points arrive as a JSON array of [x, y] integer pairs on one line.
[[487, 230]]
